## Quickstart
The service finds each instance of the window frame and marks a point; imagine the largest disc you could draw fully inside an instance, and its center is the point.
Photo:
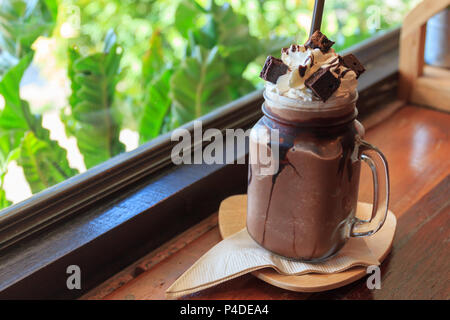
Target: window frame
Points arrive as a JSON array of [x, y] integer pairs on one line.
[[34, 233]]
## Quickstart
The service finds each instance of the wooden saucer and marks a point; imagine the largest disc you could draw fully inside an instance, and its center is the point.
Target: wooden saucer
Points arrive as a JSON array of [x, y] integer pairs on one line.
[[232, 218]]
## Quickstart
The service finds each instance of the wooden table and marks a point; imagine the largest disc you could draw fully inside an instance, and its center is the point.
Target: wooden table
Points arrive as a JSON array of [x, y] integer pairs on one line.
[[416, 143]]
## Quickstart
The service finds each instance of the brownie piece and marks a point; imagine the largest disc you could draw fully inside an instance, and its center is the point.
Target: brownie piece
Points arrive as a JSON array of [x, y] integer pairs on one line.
[[351, 62], [273, 68], [323, 83], [319, 40]]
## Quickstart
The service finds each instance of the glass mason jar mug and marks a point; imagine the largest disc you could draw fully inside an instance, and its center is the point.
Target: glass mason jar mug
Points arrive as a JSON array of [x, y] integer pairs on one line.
[[302, 195]]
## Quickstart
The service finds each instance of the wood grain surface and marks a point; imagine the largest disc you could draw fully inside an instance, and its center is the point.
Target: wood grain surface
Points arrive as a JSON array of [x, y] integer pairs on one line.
[[416, 143]]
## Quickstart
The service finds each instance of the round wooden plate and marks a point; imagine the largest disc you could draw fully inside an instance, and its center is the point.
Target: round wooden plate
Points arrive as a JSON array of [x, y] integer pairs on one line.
[[232, 218]]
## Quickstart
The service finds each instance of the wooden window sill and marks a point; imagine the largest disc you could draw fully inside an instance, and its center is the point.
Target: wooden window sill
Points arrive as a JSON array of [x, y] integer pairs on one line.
[[416, 143]]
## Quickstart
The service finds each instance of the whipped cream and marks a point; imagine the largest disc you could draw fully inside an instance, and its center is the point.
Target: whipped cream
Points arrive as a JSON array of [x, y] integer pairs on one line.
[[303, 62]]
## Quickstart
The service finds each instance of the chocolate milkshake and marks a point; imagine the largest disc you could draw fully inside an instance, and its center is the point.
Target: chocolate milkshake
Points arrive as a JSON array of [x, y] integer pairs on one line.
[[305, 207]]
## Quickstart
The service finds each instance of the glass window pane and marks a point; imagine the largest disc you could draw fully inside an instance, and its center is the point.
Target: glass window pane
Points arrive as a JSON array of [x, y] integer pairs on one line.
[[82, 81]]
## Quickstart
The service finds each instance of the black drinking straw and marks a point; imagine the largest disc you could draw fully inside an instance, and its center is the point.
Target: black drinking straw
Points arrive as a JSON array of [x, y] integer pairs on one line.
[[317, 16]]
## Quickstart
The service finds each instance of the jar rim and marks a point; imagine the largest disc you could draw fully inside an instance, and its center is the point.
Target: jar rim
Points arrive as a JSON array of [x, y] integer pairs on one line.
[[315, 106]]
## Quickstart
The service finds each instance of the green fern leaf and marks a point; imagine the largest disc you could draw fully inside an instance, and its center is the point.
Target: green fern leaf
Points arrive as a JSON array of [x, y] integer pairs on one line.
[[93, 121]]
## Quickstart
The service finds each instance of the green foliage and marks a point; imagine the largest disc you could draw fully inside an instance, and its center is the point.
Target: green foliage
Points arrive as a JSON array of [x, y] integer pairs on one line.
[[153, 62], [92, 120], [21, 23], [3, 201], [12, 124], [9, 151], [210, 74], [23, 138], [156, 106], [186, 16], [15, 114], [156, 84], [199, 85], [43, 161], [134, 22]]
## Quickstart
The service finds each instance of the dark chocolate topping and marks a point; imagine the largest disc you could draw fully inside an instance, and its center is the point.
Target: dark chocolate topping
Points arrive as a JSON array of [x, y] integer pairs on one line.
[[273, 69], [350, 61], [323, 83], [319, 40]]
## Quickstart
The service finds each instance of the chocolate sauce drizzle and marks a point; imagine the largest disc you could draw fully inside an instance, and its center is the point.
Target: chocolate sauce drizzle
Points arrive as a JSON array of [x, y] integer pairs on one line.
[[334, 60], [302, 70], [335, 63], [284, 161], [348, 145]]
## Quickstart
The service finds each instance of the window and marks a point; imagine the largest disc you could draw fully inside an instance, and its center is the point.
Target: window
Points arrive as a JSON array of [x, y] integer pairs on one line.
[[83, 81]]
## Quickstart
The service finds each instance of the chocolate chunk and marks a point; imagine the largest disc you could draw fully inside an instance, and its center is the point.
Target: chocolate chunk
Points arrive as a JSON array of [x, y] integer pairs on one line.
[[350, 61], [273, 69], [323, 83], [319, 40], [302, 70]]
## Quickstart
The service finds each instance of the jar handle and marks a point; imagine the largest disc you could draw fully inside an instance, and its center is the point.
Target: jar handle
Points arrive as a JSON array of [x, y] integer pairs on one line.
[[375, 159]]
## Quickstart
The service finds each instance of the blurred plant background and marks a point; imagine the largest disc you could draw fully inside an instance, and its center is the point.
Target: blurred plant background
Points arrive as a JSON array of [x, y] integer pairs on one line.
[[84, 80]]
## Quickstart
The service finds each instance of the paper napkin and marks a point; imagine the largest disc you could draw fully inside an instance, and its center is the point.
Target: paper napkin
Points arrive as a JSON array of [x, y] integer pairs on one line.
[[240, 254]]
